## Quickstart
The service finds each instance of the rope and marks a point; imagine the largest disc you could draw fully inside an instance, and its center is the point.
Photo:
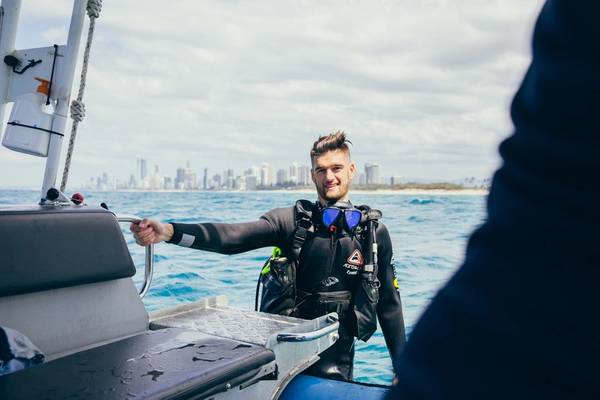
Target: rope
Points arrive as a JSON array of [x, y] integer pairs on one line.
[[77, 107], [77, 110]]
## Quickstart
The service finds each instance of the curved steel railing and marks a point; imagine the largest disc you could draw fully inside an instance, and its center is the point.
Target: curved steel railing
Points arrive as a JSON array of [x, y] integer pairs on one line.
[[331, 328], [149, 264]]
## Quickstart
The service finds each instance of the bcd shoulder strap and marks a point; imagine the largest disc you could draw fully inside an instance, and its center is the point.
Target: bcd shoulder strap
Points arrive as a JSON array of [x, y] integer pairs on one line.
[[303, 221]]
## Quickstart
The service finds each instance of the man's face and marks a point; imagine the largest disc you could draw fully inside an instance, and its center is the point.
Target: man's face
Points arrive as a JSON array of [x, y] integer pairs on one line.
[[332, 173]]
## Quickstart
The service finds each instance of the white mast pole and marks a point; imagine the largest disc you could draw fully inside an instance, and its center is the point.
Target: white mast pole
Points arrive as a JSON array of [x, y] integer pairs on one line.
[[62, 88], [9, 20]]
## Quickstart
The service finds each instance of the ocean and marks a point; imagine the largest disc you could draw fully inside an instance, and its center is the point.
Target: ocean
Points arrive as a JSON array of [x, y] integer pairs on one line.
[[429, 233]]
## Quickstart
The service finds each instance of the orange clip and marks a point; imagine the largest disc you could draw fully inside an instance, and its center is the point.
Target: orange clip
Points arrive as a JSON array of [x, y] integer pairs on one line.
[[44, 87]]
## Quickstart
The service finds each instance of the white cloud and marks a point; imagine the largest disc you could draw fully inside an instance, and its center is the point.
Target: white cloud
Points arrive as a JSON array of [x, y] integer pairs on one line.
[[422, 87]]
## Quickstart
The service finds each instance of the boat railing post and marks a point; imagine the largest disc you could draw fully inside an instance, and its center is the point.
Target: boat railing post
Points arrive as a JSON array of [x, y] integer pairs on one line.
[[9, 21], [149, 256], [63, 87]]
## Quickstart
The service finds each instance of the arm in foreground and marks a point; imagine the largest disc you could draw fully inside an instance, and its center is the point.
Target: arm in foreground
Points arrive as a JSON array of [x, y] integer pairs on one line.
[[518, 319]]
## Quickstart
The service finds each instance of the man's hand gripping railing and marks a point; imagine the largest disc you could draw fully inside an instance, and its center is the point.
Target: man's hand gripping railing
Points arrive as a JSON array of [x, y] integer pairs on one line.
[[149, 264]]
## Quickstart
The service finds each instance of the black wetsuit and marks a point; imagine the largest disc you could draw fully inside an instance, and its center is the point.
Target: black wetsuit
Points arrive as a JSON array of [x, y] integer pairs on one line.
[[324, 255]]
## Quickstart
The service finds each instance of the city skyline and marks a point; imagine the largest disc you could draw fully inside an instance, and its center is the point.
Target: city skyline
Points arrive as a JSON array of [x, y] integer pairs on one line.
[[256, 177], [186, 178]]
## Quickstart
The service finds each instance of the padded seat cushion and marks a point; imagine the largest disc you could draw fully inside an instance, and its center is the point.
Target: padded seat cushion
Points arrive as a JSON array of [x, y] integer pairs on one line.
[[43, 248], [168, 363]]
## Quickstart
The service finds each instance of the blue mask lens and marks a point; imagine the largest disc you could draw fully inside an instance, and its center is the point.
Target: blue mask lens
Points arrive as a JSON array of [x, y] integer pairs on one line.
[[330, 215], [352, 218]]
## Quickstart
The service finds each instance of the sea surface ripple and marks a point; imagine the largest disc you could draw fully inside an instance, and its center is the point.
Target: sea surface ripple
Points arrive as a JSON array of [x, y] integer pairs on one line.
[[429, 234]]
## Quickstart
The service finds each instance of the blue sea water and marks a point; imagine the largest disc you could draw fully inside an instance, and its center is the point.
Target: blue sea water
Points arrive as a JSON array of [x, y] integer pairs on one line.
[[429, 235]]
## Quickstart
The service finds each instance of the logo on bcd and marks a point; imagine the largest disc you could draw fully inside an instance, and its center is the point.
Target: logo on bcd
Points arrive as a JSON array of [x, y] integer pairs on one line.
[[354, 263], [356, 258]]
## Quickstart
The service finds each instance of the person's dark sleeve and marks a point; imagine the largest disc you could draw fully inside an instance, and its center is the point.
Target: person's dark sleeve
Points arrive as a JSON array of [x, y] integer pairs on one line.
[[272, 229], [519, 319], [389, 308]]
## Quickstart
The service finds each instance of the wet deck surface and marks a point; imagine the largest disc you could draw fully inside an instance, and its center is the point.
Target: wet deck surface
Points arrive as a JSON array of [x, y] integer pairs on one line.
[[164, 363]]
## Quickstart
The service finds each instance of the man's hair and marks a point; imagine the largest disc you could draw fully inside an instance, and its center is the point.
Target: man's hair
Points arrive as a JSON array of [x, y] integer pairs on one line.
[[334, 141]]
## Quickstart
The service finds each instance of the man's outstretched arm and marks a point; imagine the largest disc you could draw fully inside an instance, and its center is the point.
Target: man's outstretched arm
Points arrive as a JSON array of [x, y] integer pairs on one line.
[[269, 230]]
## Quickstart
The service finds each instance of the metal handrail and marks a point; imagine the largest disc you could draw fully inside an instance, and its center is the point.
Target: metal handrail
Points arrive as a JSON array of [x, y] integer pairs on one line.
[[308, 336], [149, 264]]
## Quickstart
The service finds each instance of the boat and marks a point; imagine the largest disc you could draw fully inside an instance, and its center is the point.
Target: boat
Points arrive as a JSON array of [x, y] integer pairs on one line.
[[67, 278]]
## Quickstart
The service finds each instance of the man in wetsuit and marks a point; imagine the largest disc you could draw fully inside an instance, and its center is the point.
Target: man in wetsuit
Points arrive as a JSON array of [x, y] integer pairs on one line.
[[330, 260]]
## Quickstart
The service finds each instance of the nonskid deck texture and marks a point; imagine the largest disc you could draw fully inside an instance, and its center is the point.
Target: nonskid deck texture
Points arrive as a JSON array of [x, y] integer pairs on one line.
[[214, 317]]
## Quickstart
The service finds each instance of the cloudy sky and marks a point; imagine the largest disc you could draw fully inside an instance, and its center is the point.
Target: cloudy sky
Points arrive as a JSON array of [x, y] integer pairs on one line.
[[422, 87]]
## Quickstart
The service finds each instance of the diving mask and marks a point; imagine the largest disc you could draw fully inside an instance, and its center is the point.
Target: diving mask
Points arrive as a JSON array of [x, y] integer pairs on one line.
[[331, 214]]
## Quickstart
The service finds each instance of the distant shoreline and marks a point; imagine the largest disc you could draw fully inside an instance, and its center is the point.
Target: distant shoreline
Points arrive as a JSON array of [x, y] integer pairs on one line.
[[416, 192], [448, 192]]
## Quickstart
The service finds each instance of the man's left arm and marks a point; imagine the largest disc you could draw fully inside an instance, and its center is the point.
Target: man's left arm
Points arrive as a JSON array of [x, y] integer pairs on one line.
[[389, 308]]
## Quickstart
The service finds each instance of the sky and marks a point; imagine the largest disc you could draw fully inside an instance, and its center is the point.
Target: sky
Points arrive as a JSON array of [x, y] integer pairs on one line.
[[421, 87]]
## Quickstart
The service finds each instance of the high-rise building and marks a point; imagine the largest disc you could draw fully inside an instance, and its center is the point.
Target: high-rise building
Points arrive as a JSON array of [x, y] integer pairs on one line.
[[103, 183], [229, 179], [250, 182], [362, 179], [217, 181], [372, 174], [394, 181], [281, 176], [266, 175], [293, 173], [186, 178], [191, 179], [180, 178], [132, 182], [304, 175], [205, 179], [142, 168]]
